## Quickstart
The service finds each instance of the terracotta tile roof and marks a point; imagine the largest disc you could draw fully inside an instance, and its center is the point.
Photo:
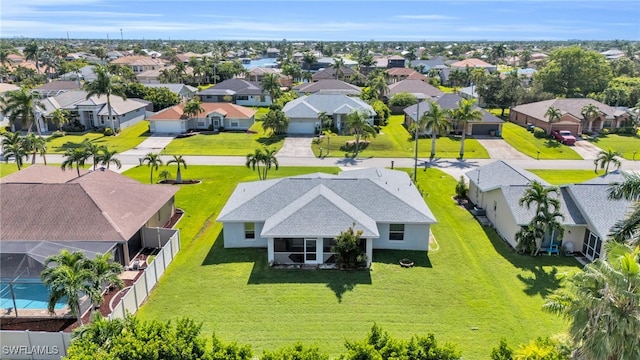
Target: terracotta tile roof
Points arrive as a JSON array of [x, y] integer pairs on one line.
[[231, 111], [571, 106], [98, 206], [138, 60], [401, 72]]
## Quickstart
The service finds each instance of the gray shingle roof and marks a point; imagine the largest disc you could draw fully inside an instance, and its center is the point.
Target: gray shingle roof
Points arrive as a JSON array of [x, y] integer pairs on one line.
[[596, 207], [234, 86], [523, 216], [304, 106], [449, 102], [606, 179], [500, 173], [174, 88], [386, 197], [328, 85], [416, 87], [571, 106]]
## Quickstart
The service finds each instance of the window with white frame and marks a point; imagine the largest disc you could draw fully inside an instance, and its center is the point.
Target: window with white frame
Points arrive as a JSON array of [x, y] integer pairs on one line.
[[249, 231], [396, 232]]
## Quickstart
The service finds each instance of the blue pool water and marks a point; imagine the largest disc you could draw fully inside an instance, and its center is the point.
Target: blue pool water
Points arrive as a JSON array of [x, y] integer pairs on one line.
[[29, 295]]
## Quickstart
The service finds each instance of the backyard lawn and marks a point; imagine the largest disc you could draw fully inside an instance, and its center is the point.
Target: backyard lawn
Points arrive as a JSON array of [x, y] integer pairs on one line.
[[526, 143], [473, 290], [625, 144], [395, 141], [225, 143], [126, 140], [563, 177]]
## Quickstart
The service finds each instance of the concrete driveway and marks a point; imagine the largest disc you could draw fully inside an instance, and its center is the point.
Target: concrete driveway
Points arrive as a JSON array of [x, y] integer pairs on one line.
[[587, 150], [296, 147], [154, 144], [500, 149]]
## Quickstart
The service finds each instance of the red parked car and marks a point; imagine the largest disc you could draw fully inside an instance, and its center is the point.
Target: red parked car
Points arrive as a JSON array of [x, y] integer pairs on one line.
[[564, 136]]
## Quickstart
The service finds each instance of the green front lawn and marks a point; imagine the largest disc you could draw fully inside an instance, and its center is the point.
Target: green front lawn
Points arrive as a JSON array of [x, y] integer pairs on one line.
[[225, 143], [526, 143], [473, 290], [126, 140], [395, 141], [625, 144], [563, 177], [10, 168]]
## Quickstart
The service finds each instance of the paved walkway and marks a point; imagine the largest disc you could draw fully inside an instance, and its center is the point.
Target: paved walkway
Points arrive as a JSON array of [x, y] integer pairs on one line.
[[296, 147]]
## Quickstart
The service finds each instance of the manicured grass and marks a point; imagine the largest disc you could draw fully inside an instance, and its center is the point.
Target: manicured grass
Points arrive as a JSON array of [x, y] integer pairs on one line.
[[626, 144], [472, 281], [526, 143], [563, 177], [225, 143], [395, 141], [498, 112], [9, 168], [446, 89], [261, 112], [127, 139]]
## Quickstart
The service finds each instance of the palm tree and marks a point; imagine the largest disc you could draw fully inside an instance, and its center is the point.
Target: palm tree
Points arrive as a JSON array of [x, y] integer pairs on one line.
[[589, 113], [193, 107], [601, 305], [253, 161], [70, 278], [107, 157], [154, 162], [627, 230], [59, 117], [358, 124], [436, 120], [266, 157], [22, 104], [32, 52], [75, 156], [104, 272], [276, 121], [547, 210], [93, 150], [464, 114], [107, 85], [164, 174], [270, 83], [540, 195], [13, 147], [308, 58], [379, 85], [338, 65], [35, 145], [554, 115], [605, 158], [177, 159]]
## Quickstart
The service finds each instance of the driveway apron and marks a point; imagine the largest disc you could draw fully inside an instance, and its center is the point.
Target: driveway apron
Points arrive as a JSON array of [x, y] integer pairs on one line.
[[296, 147], [500, 149]]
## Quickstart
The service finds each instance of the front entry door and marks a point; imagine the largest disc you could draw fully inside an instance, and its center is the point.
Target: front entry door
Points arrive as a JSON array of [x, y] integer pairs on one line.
[[310, 256], [216, 124]]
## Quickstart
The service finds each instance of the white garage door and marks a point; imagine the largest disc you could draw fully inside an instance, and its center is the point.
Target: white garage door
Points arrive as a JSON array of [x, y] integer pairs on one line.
[[301, 127], [166, 126]]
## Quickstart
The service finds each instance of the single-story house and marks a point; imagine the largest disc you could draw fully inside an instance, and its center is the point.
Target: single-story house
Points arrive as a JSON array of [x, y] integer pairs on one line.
[[303, 112], [419, 88], [4, 87], [330, 73], [94, 112], [85, 73], [328, 86], [488, 125], [473, 63], [46, 209], [258, 73], [588, 213], [297, 218], [57, 87], [425, 65], [237, 91], [185, 92], [214, 117], [572, 118], [139, 63], [398, 74]]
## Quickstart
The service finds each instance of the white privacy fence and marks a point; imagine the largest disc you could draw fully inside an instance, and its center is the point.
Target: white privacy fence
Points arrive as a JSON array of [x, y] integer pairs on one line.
[[140, 290]]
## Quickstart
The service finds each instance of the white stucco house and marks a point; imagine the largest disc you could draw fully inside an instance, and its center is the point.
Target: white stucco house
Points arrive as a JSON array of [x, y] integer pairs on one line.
[[303, 112], [588, 214], [237, 91], [215, 116], [297, 218]]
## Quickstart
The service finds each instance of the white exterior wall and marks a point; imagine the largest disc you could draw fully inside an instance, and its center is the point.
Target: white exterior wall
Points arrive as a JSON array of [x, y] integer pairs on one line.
[[163, 215], [574, 234], [164, 126], [132, 118], [243, 124], [501, 215], [254, 100], [416, 237], [234, 236]]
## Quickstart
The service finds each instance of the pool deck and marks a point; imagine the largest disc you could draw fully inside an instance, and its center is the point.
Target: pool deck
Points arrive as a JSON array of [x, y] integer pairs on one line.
[[37, 313]]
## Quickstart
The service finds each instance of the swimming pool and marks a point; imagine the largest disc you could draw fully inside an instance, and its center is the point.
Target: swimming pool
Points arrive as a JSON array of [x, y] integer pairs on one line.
[[29, 295]]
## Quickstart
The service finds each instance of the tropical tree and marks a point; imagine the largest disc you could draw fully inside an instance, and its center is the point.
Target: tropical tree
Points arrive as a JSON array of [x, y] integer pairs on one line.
[[75, 156], [462, 190], [276, 121], [266, 157], [527, 239], [358, 124], [540, 195], [308, 58], [164, 174], [104, 273], [378, 84], [153, 162], [627, 230], [271, 84], [589, 113], [107, 85], [193, 107], [35, 145], [605, 158], [24, 105], [435, 120], [602, 305], [553, 114], [178, 159], [94, 151], [338, 66], [70, 278], [12, 147], [108, 157], [348, 249], [59, 117], [32, 52], [545, 217], [464, 114]]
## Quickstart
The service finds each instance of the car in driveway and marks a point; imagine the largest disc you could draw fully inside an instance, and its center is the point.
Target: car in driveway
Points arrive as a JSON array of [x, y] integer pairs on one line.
[[564, 137]]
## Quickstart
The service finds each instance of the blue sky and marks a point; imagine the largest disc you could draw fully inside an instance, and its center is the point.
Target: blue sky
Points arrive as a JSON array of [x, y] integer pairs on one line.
[[322, 20]]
